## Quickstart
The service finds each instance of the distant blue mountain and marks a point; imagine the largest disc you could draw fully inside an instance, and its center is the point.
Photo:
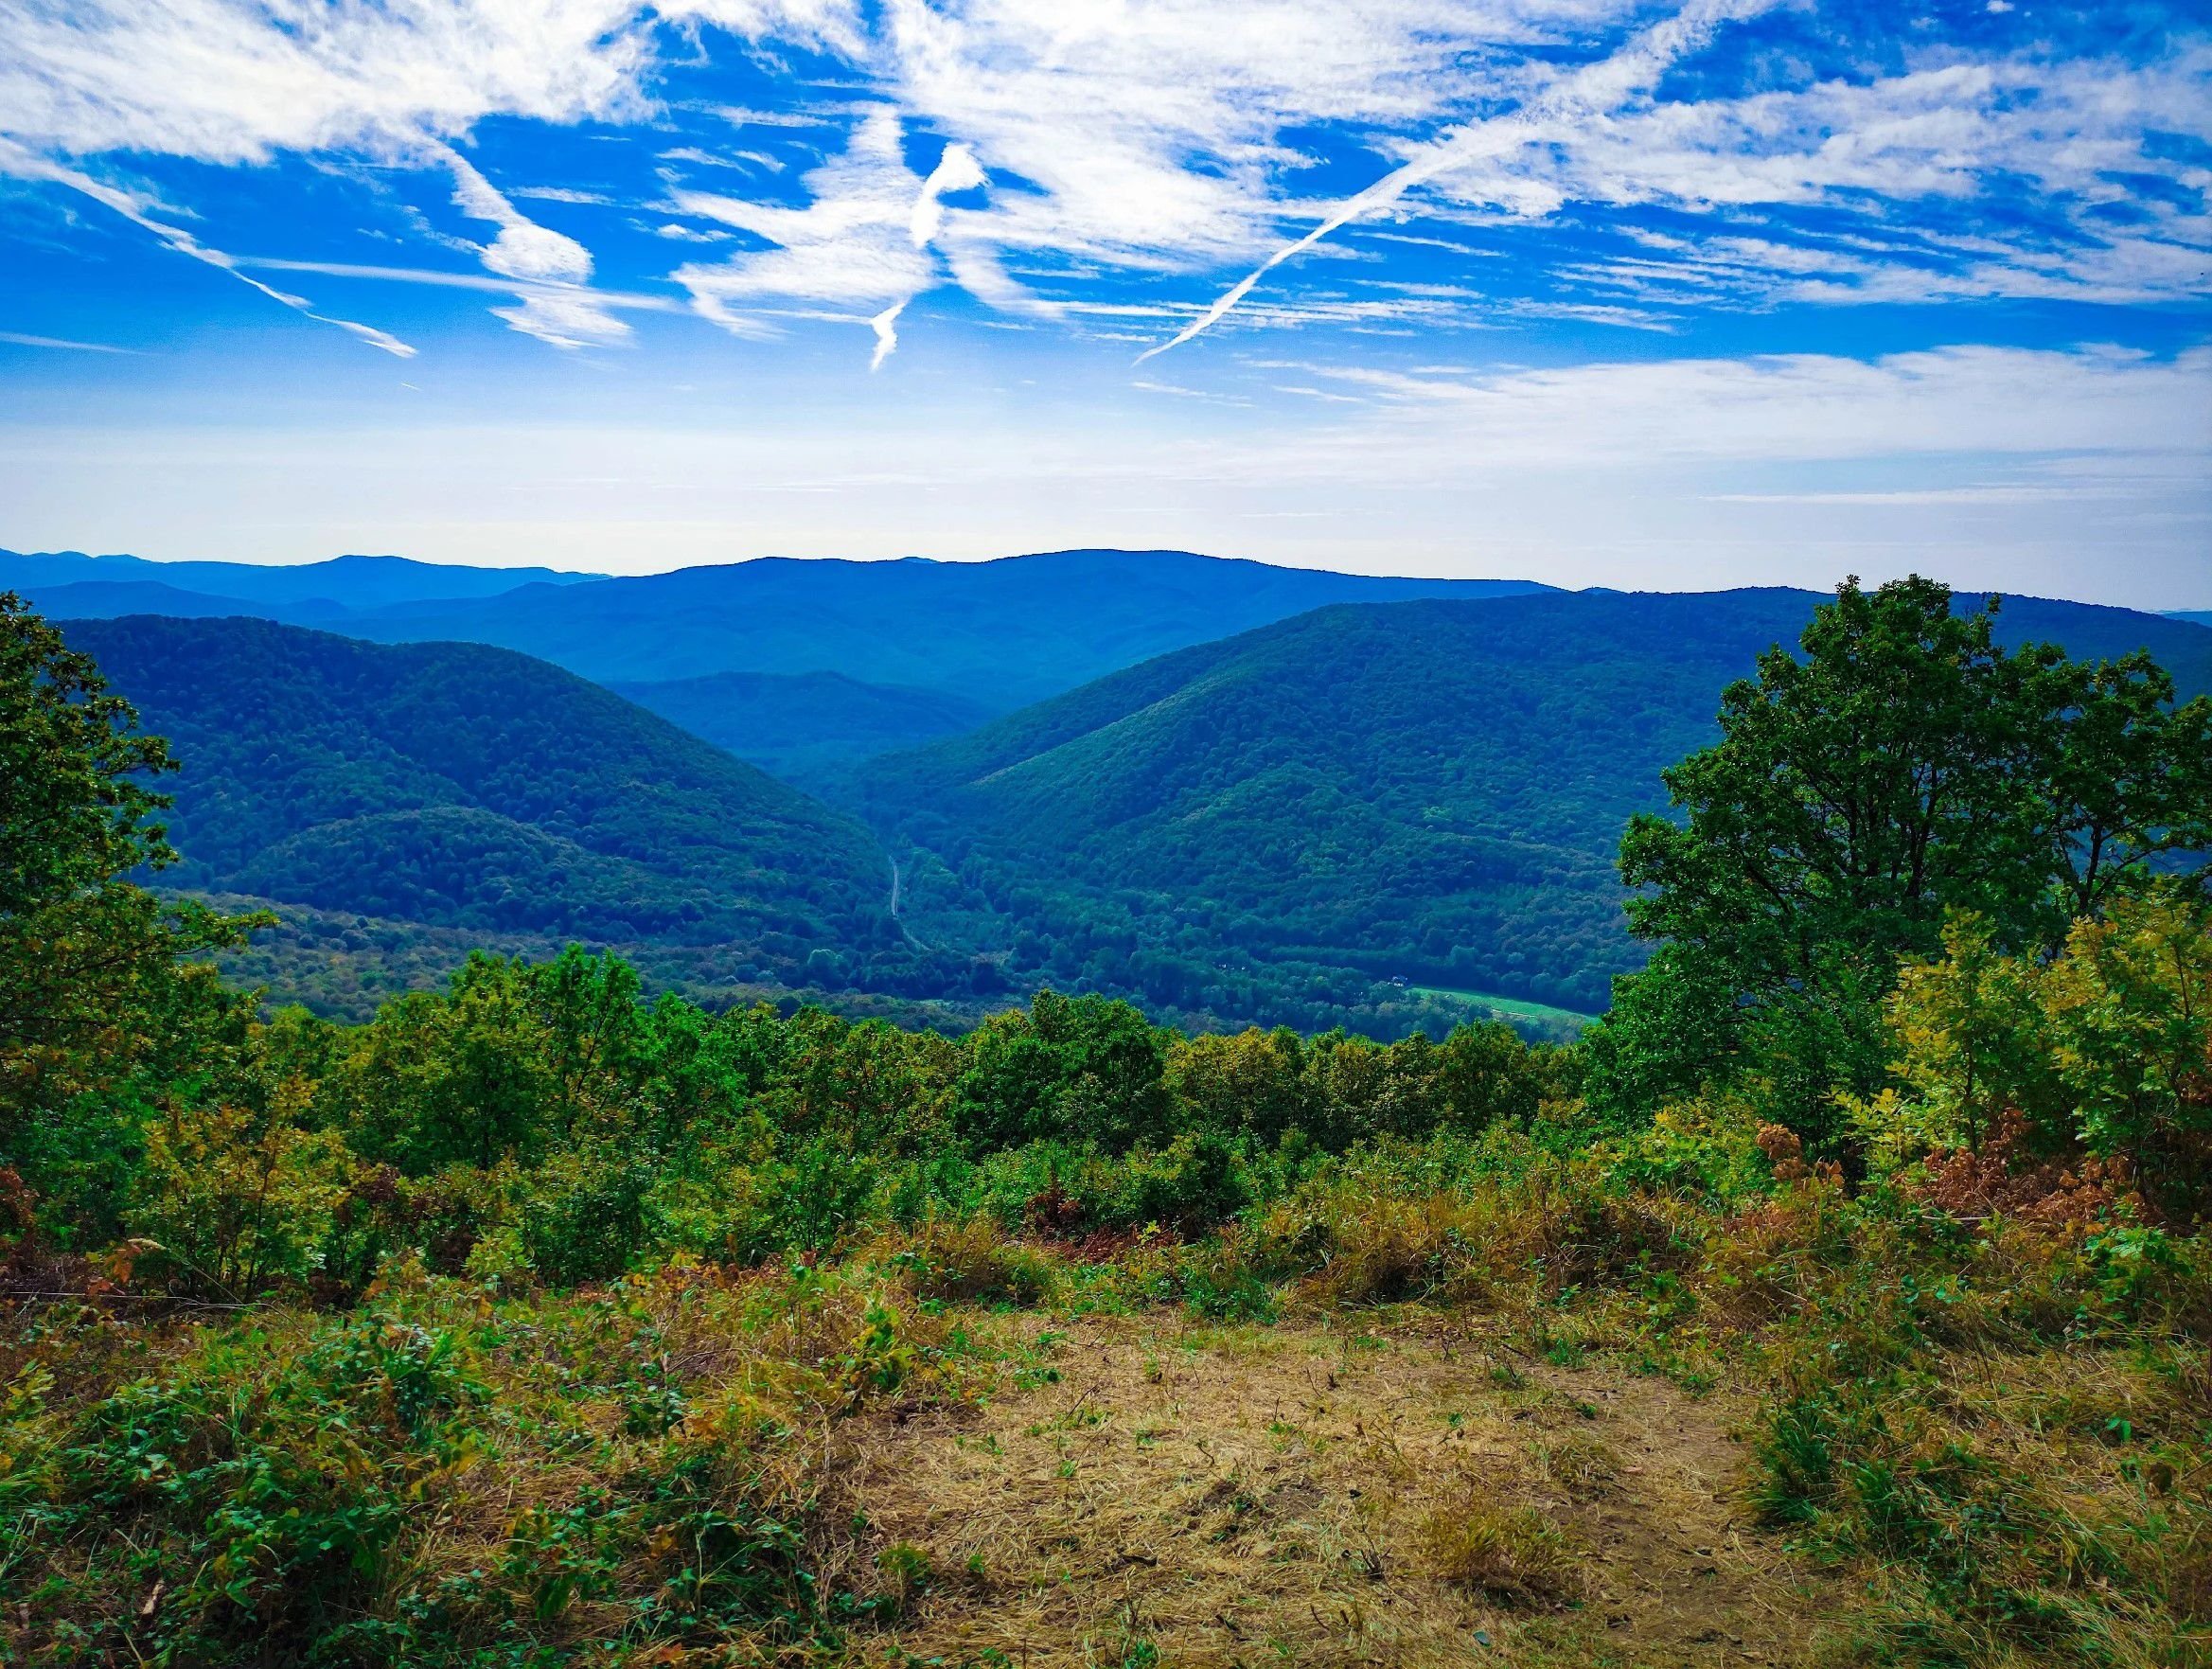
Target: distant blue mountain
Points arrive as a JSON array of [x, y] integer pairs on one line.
[[111, 599], [2195, 617], [1000, 633], [344, 582]]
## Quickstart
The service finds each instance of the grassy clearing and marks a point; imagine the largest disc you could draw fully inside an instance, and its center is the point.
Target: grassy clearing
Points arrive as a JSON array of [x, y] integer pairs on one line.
[[1508, 1008], [1351, 1490], [1544, 1421]]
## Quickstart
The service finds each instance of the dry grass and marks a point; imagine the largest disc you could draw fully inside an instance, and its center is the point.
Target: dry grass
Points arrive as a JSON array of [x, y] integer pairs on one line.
[[1585, 1467], [1516, 1556], [1313, 1494]]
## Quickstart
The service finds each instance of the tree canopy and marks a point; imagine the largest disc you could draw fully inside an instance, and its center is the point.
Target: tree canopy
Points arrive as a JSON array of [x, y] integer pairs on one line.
[[1900, 768]]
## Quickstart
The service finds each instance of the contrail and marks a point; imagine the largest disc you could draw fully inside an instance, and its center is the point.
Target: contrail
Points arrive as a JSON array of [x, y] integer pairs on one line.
[[24, 165], [1589, 91]]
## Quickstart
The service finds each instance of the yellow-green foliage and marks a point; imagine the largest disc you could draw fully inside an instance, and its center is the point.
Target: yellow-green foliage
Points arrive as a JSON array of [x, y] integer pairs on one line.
[[1972, 1047], [2108, 1045], [234, 1199], [2130, 1009]]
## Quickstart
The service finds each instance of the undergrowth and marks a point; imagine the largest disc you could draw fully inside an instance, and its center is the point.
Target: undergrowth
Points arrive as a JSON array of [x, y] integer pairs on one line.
[[2000, 1429]]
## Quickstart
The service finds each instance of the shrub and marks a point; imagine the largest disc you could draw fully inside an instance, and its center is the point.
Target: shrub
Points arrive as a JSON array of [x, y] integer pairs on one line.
[[236, 1201], [971, 1260], [586, 1216]]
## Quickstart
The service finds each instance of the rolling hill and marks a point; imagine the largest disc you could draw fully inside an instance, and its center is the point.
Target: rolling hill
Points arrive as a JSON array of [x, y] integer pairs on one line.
[[1427, 792], [458, 787]]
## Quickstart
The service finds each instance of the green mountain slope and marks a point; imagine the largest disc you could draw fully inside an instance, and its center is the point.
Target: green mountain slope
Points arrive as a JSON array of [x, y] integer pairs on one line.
[[450, 785], [1428, 790], [800, 725]]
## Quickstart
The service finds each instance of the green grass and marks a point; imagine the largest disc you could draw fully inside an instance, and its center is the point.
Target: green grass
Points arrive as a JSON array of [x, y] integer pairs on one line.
[[1506, 1007]]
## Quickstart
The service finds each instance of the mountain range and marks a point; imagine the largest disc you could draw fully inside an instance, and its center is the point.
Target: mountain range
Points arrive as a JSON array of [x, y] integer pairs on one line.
[[342, 584], [997, 634], [1383, 813]]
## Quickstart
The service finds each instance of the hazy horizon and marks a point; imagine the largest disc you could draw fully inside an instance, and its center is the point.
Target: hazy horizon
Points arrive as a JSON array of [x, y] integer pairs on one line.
[[524, 566]]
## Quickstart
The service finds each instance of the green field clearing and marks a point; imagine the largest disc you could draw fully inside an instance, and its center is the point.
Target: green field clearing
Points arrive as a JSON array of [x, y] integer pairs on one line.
[[1512, 1007]]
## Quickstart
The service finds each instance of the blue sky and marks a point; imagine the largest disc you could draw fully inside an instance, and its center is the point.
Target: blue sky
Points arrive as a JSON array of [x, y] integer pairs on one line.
[[1595, 293]]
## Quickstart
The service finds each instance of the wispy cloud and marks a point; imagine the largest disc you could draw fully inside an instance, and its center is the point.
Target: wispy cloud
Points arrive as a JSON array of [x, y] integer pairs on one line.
[[560, 194], [1771, 408], [863, 242], [1730, 155], [16, 161], [18, 339], [557, 307]]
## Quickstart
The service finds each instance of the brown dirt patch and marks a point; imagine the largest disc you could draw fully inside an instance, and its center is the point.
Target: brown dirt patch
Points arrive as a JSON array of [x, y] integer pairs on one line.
[[1202, 1495]]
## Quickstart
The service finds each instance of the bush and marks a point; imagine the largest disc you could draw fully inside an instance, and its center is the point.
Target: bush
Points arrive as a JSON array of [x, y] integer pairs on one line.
[[237, 1201], [972, 1261], [586, 1216]]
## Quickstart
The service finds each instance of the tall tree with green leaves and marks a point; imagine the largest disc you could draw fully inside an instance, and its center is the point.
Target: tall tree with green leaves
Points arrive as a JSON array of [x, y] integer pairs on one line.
[[1901, 766], [100, 1014]]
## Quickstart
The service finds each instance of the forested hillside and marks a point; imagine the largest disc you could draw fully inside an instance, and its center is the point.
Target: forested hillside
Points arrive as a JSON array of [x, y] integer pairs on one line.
[[1430, 790], [459, 787], [1389, 816]]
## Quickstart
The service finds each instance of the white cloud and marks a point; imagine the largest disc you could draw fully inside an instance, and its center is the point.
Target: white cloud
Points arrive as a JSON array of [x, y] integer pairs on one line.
[[1773, 408], [956, 170], [220, 80], [1170, 137], [240, 80], [1151, 131], [624, 301], [885, 326], [524, 249], [560, 194], [1896, 157], [555, 307], [734, 159], [860, 244]]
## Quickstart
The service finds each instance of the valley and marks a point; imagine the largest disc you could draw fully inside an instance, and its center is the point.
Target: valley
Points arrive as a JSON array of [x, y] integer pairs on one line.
[[1299, 823], [694, 1220], [1169, 834]]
